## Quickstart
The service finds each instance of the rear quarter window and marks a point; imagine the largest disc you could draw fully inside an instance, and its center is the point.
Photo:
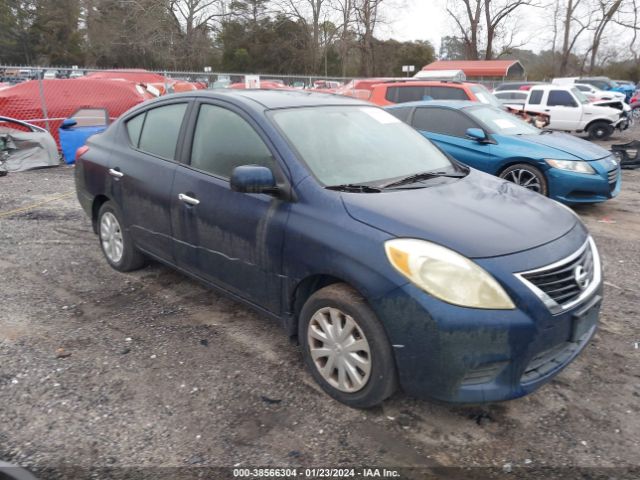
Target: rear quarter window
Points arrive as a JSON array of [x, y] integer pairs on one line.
[[401, 113], [535, 97], [134, 129]]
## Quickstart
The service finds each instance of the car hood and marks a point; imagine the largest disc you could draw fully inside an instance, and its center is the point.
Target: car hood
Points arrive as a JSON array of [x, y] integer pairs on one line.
[[567, 145], [479, 216]]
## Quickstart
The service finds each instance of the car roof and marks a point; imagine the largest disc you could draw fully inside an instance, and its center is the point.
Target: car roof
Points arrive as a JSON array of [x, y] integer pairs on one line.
[[456, 104], [273, 99], [426, 83]]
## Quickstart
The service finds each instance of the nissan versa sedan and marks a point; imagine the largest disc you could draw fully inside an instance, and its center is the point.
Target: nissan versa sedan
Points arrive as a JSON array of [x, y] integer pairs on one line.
[[563, 167], [393, 265]]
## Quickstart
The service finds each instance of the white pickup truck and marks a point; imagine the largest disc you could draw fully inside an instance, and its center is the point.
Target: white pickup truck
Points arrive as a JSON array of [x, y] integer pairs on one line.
[[569, 110]]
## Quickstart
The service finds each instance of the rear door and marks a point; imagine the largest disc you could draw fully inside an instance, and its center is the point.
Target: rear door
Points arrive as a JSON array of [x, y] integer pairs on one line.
[[228, 238], [143, 169], [447, 128]]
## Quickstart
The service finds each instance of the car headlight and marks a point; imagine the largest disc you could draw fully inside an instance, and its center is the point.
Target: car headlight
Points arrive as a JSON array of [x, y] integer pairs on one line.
[[446, 275], [577, 166]]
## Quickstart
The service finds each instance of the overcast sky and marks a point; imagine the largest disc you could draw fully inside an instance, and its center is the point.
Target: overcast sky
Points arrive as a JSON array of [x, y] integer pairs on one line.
[[428, 20]]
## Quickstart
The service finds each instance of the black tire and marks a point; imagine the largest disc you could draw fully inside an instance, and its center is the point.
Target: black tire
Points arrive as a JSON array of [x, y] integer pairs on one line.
[[599, 131], [382, 379], [131, 258], [3, 173], [512, 173]]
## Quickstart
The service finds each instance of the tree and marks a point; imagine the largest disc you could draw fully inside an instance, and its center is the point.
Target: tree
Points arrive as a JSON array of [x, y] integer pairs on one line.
[[451, 48], [607, 10], [467, 18], [54, 34], [367, 15]]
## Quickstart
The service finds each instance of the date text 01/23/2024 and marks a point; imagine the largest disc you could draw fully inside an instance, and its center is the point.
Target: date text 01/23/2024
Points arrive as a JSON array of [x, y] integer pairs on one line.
[[335, 473]]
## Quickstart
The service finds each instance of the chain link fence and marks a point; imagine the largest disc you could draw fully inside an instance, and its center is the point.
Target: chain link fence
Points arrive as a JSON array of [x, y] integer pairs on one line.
[[46, 97]]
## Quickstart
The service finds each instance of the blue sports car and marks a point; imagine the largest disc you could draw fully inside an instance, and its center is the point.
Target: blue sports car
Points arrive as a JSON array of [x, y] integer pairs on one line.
[[565, 168]]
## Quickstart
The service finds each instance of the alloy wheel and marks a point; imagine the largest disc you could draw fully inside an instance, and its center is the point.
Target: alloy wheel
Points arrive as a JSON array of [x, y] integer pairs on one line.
[[111, 237], [339, 349], [525, 179]]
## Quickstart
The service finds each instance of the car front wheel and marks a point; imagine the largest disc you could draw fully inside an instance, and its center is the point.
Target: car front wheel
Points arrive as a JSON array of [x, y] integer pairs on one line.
[[599, 131], [346, 348], [115, 241], [526, 176]]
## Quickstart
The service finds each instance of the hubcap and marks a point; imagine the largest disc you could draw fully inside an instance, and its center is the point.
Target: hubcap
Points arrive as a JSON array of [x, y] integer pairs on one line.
[[111, 237], [339, 350], [525, 179]]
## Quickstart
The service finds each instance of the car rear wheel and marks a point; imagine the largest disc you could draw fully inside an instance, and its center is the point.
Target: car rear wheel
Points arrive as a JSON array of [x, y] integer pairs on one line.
[[526, 176], [346, 348], [599, 131], [115, 241]]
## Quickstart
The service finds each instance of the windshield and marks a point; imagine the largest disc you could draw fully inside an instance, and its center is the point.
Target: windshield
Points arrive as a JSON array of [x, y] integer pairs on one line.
[[485, 96], [357, 145], [501, 122], [582, 98]]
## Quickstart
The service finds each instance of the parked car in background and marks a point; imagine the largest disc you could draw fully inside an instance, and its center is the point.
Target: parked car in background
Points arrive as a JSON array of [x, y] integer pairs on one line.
[[570, 111], [512, 97], [595, 94], [411, 91], [391, 263], [24, 146], [563, 167], [515, 86], [76, 129], [604, 83]]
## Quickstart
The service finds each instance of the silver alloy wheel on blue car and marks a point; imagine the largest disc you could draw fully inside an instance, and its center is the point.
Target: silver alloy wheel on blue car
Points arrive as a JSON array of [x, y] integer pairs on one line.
[[111, 237], [525, 179], [339, 349], [526, 176]]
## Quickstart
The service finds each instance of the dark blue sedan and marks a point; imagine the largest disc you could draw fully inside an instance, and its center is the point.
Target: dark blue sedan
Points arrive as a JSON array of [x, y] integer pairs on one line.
[[391, 264], [561, 166]]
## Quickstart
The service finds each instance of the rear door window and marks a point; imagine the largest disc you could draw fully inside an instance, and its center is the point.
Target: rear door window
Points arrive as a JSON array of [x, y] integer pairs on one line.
[[442, 120], [161, 130], [447, 93], [405, 94]]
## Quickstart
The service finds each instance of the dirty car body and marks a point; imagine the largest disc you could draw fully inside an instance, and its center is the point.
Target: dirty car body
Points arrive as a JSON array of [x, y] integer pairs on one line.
[[276, 249]]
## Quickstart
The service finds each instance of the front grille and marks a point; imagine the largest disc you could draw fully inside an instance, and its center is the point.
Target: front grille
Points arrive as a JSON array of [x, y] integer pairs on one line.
[[567, 282], [612, 176], [552, 359]]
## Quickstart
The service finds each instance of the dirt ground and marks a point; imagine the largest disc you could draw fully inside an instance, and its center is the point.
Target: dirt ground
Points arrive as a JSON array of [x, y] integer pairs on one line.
[[101, 372]]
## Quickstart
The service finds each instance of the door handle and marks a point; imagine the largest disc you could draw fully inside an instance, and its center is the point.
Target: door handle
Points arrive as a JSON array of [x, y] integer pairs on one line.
[[187, 199], [115, 173]]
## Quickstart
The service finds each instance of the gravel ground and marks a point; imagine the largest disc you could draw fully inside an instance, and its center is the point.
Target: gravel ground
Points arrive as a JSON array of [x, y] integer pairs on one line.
[[101, 372]]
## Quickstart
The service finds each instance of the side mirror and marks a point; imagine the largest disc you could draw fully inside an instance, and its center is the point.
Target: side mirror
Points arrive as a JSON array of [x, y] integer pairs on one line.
[[68, 123], [253, 179], [476, 134]]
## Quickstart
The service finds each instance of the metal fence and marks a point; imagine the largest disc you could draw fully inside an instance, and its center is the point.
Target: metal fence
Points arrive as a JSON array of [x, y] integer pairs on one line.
[[47, 96]]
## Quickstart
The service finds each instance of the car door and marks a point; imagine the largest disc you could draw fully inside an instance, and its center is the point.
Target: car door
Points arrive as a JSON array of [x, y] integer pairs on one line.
[[564, 110], [143, 169], [447, 128], [231, 239]]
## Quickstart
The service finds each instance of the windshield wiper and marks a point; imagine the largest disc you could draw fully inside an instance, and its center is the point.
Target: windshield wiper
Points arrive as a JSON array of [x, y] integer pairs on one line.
[[354, 188], [421, 176]]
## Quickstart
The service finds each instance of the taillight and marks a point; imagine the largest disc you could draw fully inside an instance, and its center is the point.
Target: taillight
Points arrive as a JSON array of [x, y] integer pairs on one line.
[[81, 151]]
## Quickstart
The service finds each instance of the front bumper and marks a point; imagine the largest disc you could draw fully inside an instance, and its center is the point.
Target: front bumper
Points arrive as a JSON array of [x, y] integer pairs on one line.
[[465, 355], [575, 188]]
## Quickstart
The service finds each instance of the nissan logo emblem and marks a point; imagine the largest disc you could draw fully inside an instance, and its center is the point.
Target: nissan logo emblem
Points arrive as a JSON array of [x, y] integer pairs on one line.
[[581, 277]]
